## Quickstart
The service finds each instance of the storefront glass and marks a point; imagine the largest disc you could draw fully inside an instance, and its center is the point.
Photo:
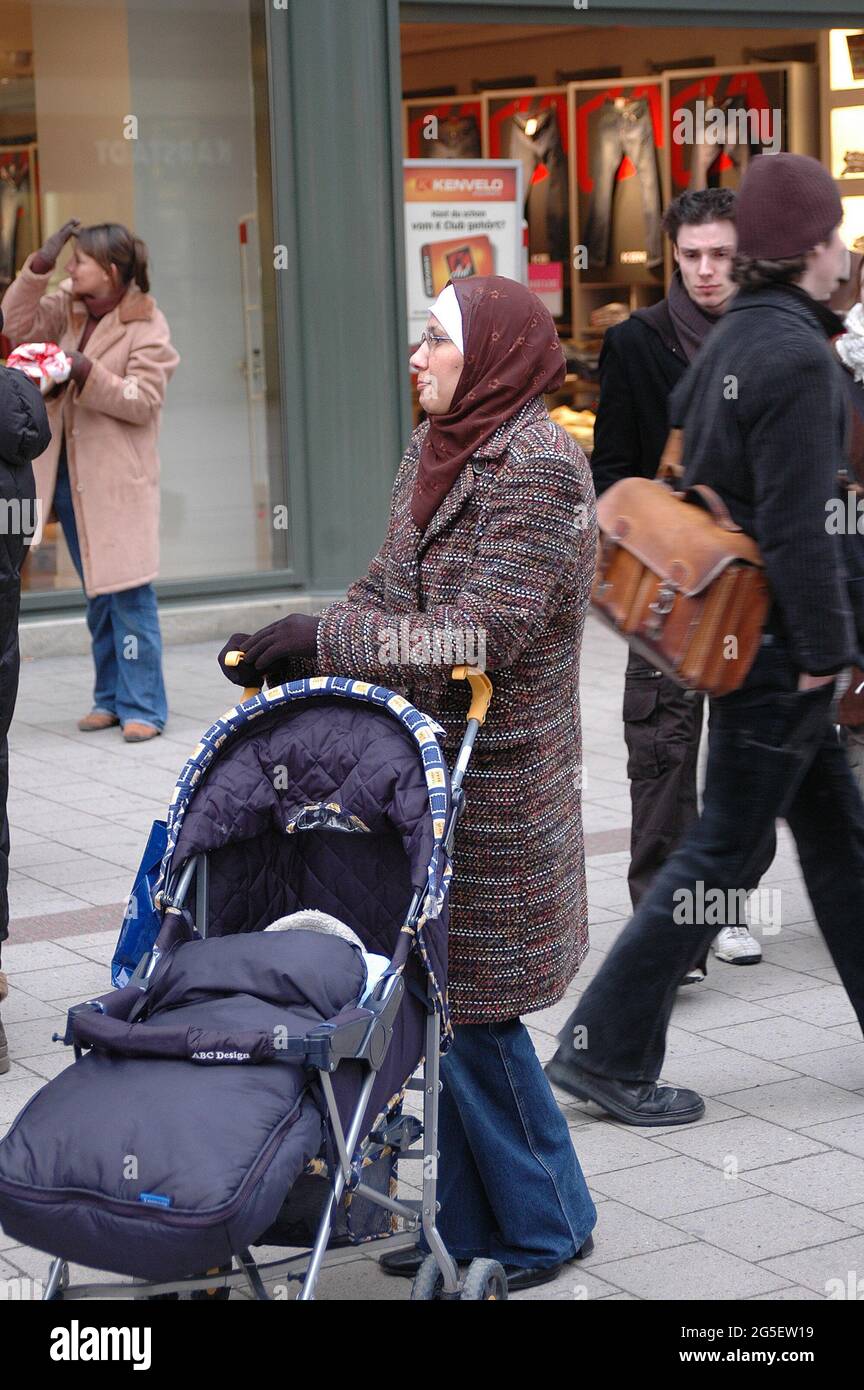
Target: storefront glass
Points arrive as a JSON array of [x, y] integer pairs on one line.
[[153, 114]]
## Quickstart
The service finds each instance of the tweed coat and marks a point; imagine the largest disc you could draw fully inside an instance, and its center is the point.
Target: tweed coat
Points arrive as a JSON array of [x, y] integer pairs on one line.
[[110, 424], [506, 562]]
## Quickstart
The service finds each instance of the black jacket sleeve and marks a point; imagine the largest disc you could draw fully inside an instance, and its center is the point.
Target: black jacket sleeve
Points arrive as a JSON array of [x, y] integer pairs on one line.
[[617, 450], [24, 429], [795, 453]]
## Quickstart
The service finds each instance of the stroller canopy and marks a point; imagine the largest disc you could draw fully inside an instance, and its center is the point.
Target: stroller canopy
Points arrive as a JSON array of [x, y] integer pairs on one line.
[[329, 793]]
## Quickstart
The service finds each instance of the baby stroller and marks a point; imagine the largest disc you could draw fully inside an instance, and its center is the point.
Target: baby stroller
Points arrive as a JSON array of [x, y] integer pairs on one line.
[[244, 1088]]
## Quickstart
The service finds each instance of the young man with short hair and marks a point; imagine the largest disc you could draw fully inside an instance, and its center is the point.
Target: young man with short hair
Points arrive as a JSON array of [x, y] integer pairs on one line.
[[643, 359]]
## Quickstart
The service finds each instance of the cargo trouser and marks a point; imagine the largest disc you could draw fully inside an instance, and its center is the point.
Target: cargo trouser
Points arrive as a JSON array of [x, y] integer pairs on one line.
[[662, 729]]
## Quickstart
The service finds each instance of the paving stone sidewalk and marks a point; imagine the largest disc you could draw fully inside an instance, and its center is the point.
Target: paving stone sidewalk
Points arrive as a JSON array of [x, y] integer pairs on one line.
[[763, 1199]]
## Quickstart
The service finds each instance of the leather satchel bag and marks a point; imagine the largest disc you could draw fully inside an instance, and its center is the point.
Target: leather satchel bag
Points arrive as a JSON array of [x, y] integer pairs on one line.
[[679, 580]]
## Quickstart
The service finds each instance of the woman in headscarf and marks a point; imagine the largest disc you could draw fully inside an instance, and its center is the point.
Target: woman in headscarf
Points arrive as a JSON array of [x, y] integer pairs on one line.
[[490, 552]]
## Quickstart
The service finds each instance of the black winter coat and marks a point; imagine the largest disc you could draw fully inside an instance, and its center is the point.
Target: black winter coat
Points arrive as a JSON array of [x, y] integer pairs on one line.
[[641, 361], [764, 419], [24, 433]]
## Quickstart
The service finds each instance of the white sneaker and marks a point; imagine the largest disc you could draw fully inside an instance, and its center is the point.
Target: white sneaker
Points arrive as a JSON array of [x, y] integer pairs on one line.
[[693, 977], [736, 946]]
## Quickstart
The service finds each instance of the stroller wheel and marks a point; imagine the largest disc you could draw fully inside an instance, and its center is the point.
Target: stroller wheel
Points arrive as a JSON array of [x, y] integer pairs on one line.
[[485, 1282], [428, 1282]]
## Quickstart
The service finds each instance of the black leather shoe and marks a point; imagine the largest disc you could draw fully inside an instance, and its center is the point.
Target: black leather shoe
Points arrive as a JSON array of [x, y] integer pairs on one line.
[[642, 1103], [403, 1263]]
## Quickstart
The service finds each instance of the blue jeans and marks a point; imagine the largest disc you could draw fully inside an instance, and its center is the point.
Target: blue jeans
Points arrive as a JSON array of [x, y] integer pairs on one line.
[[510, 1183], [124, 630]]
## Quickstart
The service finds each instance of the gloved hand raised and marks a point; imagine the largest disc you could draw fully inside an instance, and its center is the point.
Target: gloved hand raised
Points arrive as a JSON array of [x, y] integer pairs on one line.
[[53, 245]]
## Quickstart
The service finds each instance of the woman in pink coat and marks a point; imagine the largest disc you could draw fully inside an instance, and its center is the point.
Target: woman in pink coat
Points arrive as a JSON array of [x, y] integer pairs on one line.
[[101, 470]]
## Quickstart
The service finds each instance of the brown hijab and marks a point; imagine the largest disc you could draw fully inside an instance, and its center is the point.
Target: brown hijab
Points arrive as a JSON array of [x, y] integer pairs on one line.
[[512, 354]]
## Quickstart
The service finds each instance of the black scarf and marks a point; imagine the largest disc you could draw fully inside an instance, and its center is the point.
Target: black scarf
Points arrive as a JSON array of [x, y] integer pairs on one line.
[[692, 324]]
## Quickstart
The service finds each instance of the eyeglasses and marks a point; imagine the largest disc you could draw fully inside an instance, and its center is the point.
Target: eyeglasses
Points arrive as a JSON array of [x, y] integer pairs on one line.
[[432, 340]]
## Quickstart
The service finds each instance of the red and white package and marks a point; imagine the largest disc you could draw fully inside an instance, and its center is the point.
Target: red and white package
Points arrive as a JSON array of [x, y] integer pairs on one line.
[[44, 363]]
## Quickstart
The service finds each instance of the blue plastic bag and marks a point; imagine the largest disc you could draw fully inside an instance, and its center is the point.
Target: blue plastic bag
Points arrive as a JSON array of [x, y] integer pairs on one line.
[[141, 920]]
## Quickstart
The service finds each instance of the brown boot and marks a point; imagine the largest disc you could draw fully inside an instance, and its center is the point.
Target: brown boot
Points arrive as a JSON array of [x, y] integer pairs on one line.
[[93, 722], [4, 1047], [134, 732]]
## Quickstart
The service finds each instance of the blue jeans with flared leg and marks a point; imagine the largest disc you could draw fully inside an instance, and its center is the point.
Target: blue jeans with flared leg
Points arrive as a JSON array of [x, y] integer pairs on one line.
[[510, 1185], [124, 630]]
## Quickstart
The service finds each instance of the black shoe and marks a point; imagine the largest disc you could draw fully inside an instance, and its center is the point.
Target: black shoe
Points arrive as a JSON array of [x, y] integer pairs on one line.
[[520, 1278], [405, 1264], [641, 1103]]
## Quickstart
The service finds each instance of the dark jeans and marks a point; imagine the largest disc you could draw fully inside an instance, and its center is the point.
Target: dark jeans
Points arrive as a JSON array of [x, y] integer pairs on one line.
[[628, 131], [10, 591], [662, 729], [510, 1184], [545, 202], [772, 751]]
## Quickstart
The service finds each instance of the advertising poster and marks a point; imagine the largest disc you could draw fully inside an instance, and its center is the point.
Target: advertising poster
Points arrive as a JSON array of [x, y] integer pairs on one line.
[[461, 219]]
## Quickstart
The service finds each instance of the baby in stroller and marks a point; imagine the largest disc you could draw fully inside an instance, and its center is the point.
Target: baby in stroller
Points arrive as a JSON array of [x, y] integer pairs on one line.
[[244, 1088]]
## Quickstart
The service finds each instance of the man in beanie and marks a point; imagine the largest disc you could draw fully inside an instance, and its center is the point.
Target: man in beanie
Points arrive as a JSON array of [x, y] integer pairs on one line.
[[24, 433], [764, 420], [642, 360]]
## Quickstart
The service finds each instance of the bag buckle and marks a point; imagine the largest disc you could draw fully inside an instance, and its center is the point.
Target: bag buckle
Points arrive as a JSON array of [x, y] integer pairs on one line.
[[662, 605]]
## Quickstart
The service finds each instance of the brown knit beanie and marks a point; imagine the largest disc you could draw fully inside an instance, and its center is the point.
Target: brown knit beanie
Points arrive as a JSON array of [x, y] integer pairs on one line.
[[787, 204]]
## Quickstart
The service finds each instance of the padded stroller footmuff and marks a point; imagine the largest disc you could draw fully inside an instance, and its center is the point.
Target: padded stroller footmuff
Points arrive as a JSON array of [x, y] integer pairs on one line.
[[161, 1167]]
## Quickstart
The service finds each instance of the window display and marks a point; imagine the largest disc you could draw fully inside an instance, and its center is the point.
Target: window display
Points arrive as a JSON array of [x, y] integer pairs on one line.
[[163, 139], [623, 130], [532, 127], [443, 130], [19, 208], [618, 133], [719, 120]]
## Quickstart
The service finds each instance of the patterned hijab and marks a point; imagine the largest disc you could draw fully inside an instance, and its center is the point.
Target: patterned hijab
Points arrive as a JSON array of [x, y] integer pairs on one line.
[[512, 354]]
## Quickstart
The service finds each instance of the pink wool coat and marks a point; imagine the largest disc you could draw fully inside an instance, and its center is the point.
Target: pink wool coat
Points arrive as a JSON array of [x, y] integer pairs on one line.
[[111, 424]]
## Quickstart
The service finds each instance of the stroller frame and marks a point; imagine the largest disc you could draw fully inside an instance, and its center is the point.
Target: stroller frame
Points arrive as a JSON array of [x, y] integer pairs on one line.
[[321, 1051]]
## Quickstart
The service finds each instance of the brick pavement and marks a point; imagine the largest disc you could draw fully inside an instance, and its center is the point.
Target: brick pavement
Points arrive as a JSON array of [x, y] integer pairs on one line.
[[763, 1199]]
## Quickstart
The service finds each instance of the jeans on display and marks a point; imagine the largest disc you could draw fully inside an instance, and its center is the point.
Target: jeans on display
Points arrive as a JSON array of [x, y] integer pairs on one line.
[[627, 130], [11, 202], [772, 751], [129, 680], [458, 138], [510, 1184], [545, 202]]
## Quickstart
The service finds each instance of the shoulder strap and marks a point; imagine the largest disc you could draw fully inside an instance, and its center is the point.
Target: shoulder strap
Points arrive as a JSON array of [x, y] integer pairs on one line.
[[671, 467]]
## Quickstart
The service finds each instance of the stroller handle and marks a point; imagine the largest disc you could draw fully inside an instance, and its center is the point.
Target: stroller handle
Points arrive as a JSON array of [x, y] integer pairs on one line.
[[481, 686], [234, 659], [481, 690]]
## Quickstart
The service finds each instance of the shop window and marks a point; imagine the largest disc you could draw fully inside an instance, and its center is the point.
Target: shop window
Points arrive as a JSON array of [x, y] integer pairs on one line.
[[153, 114]]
